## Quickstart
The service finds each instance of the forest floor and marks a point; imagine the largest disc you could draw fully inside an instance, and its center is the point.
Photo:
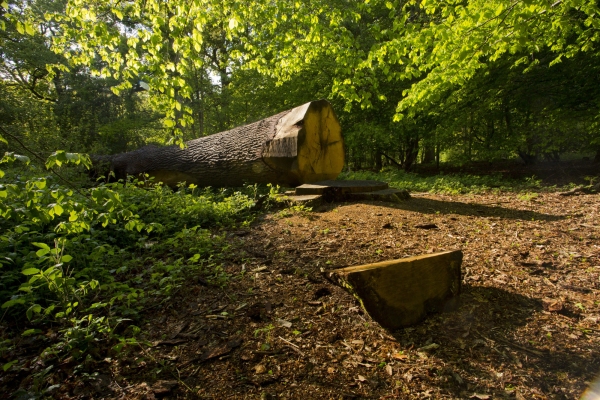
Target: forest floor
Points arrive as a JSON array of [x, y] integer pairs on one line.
[[551, 173], [527, 326], [273, 326]]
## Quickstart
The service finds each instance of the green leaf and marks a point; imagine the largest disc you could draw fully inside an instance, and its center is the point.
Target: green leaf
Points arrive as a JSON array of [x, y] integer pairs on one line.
[[66, 258], [58, 210], [34, 309], [23, 159], [42, 252], [29, 29], [7, 366], [30, 332], [41, 245], [30, 271], [12, 302]]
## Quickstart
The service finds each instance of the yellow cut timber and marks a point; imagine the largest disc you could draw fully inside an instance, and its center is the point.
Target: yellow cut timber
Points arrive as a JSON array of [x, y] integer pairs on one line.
[[399, 293], [321, 153], [308, 144]]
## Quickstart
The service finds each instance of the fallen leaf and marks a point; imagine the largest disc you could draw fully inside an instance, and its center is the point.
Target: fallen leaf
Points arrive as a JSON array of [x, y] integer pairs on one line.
[[457, 377], [399, 356], [164, 387], [481, 396], [361, 378], [284, 323], [431, 346], [388, 369], [330, 370], [552, 305], [260, 369], [220, 349]]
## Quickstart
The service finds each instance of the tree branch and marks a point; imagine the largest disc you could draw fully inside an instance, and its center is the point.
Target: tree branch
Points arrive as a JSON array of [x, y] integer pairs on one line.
[[392, 160]]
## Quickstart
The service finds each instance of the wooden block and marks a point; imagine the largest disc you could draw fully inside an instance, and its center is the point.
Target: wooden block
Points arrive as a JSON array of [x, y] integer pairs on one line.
[[341, 187], [392, 195], [399, 293], [309, 200]]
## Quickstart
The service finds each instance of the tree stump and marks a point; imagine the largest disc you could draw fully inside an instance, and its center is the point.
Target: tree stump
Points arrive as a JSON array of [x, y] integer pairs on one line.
[[300, 145], [400, 293]]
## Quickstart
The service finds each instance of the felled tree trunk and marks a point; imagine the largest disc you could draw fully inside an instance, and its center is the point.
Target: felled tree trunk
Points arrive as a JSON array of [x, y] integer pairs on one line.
[[297, 146]]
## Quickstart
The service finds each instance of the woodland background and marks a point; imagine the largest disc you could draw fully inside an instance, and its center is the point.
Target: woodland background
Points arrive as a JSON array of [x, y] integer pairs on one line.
[[412, 82], [90, 270]]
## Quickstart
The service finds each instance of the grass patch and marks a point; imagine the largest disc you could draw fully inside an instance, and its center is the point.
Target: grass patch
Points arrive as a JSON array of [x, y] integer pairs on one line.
[[448, 184]]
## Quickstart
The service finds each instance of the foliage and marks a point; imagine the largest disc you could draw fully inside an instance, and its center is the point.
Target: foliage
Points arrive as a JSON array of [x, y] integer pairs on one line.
[[413, 81], [449, 184], [86, 261]]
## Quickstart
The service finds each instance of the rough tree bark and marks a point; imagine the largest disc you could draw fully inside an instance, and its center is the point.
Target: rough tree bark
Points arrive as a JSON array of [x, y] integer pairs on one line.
[[297, 146]]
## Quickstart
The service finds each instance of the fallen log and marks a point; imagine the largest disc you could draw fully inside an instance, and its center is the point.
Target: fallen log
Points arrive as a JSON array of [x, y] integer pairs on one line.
[[297, 146], [399, 293]]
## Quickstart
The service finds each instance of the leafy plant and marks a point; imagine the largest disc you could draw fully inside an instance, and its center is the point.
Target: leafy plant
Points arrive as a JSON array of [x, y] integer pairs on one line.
[[85, 260]]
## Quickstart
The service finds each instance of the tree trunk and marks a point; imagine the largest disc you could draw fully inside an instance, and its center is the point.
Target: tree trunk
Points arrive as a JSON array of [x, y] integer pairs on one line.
[[378, 161], [428, 154], [293, 147]]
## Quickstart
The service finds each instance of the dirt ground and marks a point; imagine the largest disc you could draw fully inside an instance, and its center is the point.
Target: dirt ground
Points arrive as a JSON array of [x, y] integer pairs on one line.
[[527, 326]]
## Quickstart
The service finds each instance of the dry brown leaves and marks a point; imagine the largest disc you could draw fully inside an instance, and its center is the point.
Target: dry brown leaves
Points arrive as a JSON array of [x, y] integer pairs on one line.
[[527, 326]]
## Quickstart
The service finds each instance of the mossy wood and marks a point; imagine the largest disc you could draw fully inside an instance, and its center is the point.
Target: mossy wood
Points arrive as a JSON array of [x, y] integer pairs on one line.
[[297, 146], [400, 293]]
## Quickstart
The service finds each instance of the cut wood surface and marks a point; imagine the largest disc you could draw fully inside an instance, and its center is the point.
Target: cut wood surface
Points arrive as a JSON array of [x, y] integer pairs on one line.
[[297, 146], [399, 293], [308, 200], [341, 186]]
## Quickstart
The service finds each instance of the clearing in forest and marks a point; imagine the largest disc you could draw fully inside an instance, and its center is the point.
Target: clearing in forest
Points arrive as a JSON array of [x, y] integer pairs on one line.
[[527, 325]]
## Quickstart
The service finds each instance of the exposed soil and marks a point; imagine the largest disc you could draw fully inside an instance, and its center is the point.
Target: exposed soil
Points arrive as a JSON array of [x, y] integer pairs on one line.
[[527, 326]]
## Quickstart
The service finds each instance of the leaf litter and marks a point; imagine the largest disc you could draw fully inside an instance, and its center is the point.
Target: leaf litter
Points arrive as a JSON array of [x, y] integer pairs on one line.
[[527, 325]]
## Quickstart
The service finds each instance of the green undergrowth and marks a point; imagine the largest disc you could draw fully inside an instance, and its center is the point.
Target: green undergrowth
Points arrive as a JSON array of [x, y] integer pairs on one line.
[[80, 266], [449, 184]]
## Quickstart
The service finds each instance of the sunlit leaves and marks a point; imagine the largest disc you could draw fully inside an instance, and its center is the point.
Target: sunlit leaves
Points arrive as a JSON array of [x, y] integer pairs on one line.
[[60, 157]]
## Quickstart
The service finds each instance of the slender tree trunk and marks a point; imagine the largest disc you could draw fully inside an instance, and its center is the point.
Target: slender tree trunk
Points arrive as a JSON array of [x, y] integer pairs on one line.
[[378, 161], [428, 154]]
